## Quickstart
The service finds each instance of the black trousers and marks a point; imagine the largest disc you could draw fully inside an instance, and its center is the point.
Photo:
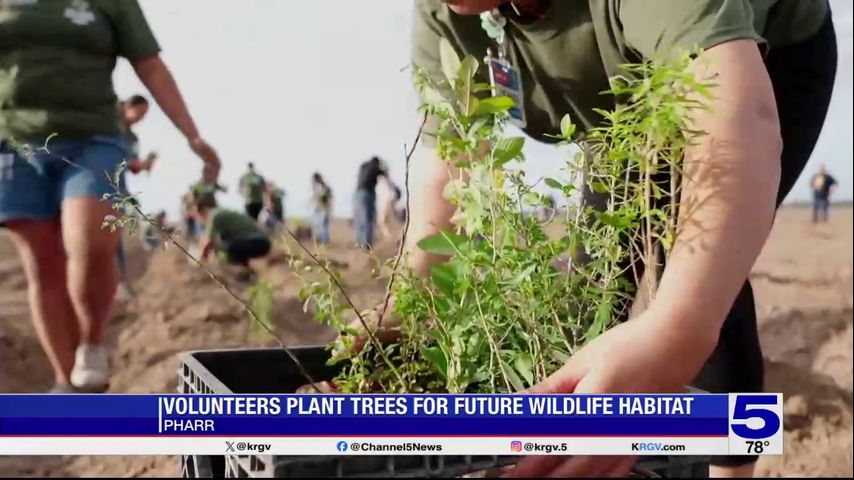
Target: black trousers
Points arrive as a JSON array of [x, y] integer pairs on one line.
[[241, 250], [254, 209], [802, 75]]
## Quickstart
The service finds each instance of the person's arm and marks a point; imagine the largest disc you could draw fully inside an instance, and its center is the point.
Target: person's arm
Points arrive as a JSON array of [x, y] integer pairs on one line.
[[206, 247], [727, 206], [726, 212], [430, 212], [155, 75]]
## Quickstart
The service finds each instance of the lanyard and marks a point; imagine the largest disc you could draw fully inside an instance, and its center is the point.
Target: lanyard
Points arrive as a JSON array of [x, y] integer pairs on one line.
[[504, 77]]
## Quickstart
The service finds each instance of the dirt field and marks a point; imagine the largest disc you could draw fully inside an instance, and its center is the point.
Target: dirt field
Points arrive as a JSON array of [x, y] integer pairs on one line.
[[803, 284]]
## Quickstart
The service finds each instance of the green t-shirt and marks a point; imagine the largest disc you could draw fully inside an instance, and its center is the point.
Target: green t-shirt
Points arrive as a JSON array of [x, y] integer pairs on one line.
[[225, 226], [252, 187], [204, 193], [56, 64], [277, 196], [567, 57]]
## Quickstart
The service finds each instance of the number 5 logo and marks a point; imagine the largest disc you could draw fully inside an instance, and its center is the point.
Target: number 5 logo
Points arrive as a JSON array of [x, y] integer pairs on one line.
[[748, 407]]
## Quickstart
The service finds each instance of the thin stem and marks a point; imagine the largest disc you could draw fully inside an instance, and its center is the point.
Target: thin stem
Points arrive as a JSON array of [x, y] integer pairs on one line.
[[404, 234], [359, 315]]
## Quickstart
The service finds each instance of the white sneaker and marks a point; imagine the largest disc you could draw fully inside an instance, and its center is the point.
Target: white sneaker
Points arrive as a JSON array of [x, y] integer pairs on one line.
[[91, 372]]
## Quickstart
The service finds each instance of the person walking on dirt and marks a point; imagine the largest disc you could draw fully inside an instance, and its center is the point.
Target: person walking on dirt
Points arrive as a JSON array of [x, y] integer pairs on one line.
[[131, 112], [188, 206], [773, 65], [252, 187], [365, 201], [823, 185], [272, 215], [388, 196], [233, 234], [275, 196], [152, 232], [60, 138], [321, 200]]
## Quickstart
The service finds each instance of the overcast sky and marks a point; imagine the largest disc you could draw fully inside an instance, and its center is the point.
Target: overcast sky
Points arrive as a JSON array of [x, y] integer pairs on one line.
[[317, 85]]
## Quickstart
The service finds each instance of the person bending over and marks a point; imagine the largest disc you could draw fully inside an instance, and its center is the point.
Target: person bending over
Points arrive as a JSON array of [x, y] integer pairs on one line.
[[773, 64], [233, 234]]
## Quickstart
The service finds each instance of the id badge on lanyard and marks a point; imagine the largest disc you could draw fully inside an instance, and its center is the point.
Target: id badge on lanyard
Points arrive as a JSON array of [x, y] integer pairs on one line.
[[507, 81], [504, 76]]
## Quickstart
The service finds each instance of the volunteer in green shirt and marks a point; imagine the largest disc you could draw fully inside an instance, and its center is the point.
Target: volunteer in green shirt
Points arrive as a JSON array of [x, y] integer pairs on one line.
[[774, 64], [234, 234], [56, 64], [252, 187], [276, 198]]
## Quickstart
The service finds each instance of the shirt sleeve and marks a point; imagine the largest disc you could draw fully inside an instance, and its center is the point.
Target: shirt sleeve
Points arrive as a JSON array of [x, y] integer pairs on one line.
[[662, 28], [426, 34], [134, 38]]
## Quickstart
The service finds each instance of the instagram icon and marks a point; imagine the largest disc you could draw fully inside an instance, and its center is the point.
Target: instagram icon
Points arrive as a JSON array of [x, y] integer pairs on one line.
[[516, 446]]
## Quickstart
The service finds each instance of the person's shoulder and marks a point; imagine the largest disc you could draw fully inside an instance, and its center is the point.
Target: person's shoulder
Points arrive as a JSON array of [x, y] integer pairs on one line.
[[429, 6]]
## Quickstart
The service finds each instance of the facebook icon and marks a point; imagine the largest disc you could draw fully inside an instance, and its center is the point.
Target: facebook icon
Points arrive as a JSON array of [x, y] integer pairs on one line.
[[342, 446]]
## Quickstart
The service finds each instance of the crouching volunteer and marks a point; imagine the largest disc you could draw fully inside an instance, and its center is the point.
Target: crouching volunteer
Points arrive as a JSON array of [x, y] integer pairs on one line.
[[233, 234], [773, 63]]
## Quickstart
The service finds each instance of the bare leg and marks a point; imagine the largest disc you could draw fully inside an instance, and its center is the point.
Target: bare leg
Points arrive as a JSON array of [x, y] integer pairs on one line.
[[741, 471], [92, 273], [39, 244]]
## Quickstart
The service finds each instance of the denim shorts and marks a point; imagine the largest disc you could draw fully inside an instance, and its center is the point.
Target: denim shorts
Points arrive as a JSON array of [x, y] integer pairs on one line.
[[36, 178]]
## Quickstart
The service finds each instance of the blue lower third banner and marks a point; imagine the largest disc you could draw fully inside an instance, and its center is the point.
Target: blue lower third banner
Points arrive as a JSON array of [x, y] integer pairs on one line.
[[325, 424]]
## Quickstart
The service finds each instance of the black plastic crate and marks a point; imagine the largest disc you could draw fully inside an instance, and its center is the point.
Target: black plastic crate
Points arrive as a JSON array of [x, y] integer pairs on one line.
[[245, 371]]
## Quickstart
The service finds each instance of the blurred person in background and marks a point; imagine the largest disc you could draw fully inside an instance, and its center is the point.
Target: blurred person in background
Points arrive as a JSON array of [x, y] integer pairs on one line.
[[153, 231], [252, 187], [388, 197], [235, 235], [131, 112], [321, 199], [272, 214], [276, 198], [60, 137], [365, 201], [823, 185], [773, 65], [189, 217]]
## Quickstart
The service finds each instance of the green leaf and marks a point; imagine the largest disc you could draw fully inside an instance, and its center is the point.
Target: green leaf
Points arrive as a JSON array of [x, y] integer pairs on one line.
[[567, 128], [493, 105], [600, 322], [444, 277], [507, 149], [442, 243], [438, 359], [450, 60], [523, 275], [614, 220], [468, 68], [462, 87], [599, 187], [524, 366], [512, 376], [551, 182]]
